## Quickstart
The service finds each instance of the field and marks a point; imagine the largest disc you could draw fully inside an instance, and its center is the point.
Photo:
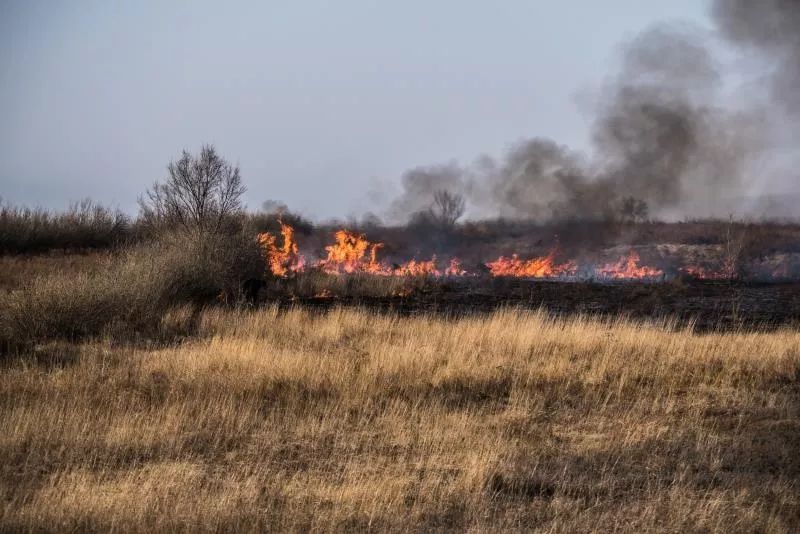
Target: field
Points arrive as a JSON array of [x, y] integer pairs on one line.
[[171, 384], [340, 420]]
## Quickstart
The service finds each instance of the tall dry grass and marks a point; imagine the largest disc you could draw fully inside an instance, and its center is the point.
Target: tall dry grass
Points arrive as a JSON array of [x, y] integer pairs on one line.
[[127, 293], [295, 421], [85, 225]]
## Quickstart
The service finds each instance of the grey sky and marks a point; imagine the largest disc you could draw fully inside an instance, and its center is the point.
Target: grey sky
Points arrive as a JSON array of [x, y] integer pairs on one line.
[[314, 100]]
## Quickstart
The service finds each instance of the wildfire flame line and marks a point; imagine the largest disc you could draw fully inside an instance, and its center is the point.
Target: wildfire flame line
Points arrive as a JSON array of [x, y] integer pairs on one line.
[[353, 253]]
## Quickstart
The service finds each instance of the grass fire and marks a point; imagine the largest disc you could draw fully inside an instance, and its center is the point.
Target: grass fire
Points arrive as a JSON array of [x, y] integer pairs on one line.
[[352, 253], [396, 314], [258, 371]]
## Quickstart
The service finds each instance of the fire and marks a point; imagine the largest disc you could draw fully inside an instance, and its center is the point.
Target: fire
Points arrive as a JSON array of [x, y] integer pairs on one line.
[[454, 268], [627, 268], [354, 253], [703, 273], [285, 259], [543, 267], [727, 271], [349, 255], [418, 268]]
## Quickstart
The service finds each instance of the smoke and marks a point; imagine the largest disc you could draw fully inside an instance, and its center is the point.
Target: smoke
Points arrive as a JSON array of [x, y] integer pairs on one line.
[[539, 179], [767, 31], [421, 183], [661, 135], [772, 27]]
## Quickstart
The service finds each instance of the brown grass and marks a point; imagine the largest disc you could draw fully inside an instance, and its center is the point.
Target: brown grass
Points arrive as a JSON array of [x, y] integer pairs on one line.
[[122, 295], [290, 421], [17, 271], [85, 225]]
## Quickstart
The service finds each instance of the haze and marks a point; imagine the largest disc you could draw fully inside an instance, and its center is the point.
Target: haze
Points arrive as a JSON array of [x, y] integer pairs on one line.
[[321, 103]]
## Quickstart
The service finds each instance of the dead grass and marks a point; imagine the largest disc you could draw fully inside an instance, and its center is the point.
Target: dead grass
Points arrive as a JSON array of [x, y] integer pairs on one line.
[[315, 283], [17, 271], [294, 421]]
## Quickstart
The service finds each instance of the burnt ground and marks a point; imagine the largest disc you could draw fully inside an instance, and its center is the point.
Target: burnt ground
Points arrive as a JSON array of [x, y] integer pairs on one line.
[[709, 305]]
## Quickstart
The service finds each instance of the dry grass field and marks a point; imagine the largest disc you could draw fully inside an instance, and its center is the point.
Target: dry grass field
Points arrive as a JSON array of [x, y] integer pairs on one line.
[[351, 421], [15, 271]]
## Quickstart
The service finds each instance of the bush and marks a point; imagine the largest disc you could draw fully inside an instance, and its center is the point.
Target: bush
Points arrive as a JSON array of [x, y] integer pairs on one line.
[[269, 222], [83, 225], [131, 292], [201, 195]]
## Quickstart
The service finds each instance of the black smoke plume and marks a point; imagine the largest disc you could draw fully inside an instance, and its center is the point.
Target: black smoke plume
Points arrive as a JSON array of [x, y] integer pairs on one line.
[[661, 136]]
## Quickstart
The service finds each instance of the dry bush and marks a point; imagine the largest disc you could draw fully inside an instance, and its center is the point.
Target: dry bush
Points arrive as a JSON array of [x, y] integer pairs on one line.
[[17, 270], [200, 196], [129, 293], [85, 225], [348, 421], [262, 221]]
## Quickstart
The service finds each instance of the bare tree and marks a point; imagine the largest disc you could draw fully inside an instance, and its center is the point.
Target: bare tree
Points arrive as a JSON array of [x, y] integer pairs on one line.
[[199, 195], [632, 209], [447, 208]]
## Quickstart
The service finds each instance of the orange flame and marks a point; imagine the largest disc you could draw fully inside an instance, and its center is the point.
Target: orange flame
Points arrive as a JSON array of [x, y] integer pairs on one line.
[[285, 259], [348, 254], [543, 267], [454, 268], [627, 268], [354, 253], [727, 271], [703, 273], [418, 268]]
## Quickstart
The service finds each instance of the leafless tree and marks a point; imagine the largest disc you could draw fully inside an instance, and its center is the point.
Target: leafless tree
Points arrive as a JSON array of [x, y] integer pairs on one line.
[[447, 208], [632, 209], [200, 194]]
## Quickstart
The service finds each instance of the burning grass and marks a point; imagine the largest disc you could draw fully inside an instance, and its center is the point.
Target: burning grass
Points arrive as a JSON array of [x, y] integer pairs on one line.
[[347, 420], [353, 254]]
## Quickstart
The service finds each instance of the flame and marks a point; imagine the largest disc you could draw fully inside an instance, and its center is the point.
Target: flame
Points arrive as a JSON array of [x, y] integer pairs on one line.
[[283, 260], [704, 273], [354, 253], [726, 272], [543, 267], [418, 268], [349, 255], [454, 268], [627, 268]]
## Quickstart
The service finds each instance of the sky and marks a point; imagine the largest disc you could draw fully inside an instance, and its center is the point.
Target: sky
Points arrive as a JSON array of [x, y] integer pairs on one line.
[[322, 104]]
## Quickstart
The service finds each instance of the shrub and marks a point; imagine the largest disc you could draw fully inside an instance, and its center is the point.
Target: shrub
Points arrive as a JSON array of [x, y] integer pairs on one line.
[[263, 221], [84, 225], [130, 293], [200, 196]]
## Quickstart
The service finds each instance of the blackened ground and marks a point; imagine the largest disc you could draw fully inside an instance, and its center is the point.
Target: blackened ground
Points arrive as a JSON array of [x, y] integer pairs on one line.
[[709, 305]]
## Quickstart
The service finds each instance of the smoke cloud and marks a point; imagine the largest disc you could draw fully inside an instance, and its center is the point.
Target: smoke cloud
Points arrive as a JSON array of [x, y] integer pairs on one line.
[[421, 183], [773, 28], [660, 135]]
